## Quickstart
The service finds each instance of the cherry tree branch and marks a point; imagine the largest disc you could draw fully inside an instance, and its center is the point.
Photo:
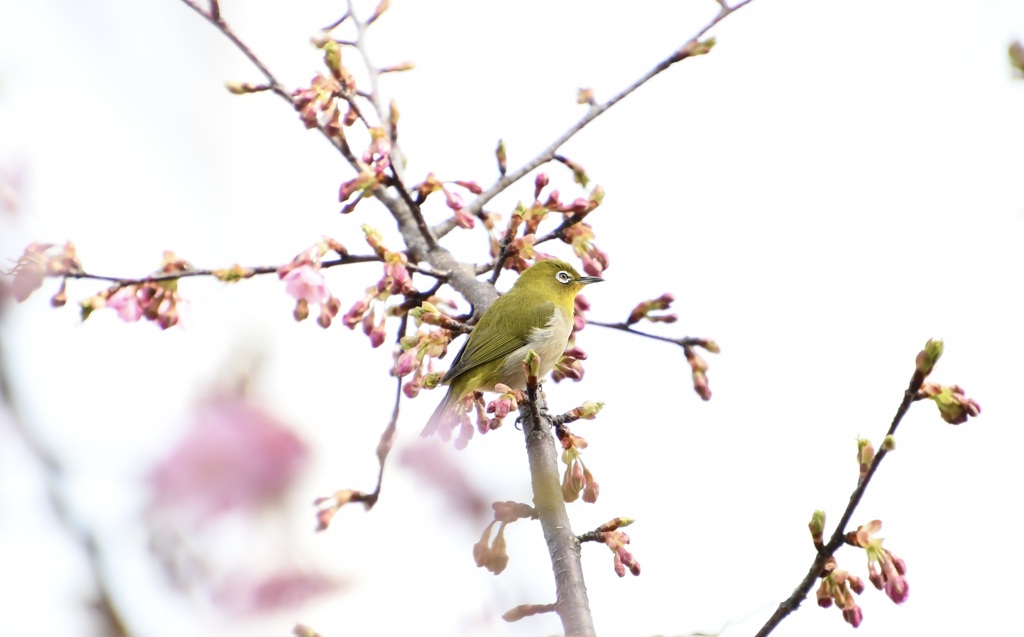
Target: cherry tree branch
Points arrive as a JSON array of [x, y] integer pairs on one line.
[[690, 49], [572, 604], [838, 537], [243, 273], [685, 341], [213, 17], [373, 96]]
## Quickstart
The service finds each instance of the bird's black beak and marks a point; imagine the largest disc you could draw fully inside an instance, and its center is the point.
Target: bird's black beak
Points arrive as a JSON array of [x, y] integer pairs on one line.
[[589, 279]]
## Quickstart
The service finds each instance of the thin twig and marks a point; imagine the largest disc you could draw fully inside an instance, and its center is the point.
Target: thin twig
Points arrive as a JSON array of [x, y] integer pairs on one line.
[[594, 112], [685, 341], [214, 17], [838, 537], [417, 213], [396, 156], [217, 20], [334, 25], [249, 272]]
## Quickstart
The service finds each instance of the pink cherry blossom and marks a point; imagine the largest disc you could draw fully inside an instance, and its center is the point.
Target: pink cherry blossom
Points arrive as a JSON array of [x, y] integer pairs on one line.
[[126, 302], [307, 283]]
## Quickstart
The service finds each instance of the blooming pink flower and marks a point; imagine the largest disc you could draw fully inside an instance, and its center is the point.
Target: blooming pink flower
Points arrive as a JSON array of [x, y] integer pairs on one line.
[[307, 282], [126, 302]]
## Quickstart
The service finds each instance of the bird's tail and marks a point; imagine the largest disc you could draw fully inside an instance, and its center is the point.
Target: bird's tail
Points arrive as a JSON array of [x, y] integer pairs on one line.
[[445, 417]]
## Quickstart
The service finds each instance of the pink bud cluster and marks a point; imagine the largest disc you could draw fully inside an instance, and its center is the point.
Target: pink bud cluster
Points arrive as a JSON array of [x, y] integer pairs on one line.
[[954, 406], [569, 365], [493, 555], [156, 301], [361, 185], [699, 369], [452, 198], [643, 311], [577, 476], [886, 571], [506, 403], [318, 105], [416, 357], [580, 236], [616, 542], [304, 281], [838, 587], [396, 281], [377, 155], [520, 250], [579, 313]]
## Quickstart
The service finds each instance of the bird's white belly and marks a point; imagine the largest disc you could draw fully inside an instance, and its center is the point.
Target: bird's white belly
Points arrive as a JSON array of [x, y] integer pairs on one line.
[[548, 342]]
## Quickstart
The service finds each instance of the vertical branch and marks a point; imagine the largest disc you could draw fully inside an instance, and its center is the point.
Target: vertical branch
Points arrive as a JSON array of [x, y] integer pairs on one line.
[[572, 604], [109, 619]]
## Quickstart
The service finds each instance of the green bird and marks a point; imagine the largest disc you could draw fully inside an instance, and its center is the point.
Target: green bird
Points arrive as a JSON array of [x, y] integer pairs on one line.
[[537, 314]]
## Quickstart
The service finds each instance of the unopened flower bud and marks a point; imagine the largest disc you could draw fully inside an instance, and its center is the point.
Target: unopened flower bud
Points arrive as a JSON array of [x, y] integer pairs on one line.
[[572, 482], [482, 548], [824, 595], [407, 362], [865, 456], [591, 491], [61, 297], [585, 96], [616, 523], [539, 183], [856, 584], [853, 616], [817, 527], [324, 320], [432, 380], [500, 154]]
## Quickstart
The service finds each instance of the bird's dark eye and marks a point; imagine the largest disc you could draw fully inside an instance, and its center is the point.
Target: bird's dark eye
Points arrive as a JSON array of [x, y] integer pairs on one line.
[[563, 276]]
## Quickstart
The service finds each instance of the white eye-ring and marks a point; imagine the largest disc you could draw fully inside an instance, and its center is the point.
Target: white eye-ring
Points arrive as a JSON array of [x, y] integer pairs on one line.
[[563, 276]]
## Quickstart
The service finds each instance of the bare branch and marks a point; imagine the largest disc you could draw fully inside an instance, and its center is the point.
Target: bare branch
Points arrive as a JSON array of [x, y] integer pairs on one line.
[[214, 18], [330, 505], [687, 50], [838, 538], [246, 272], [685, 341]]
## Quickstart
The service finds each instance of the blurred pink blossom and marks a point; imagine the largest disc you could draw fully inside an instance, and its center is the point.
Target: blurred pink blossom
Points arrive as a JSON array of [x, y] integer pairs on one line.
[[235, 457], [248, 593], [307, 283], [126, 302]]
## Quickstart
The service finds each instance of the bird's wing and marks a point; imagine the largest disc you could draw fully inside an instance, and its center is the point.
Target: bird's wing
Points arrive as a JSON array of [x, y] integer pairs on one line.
[[498, 339]]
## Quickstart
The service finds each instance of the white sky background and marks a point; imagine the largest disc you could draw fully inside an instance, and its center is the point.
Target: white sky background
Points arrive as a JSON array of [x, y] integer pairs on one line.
[[834, 184]]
